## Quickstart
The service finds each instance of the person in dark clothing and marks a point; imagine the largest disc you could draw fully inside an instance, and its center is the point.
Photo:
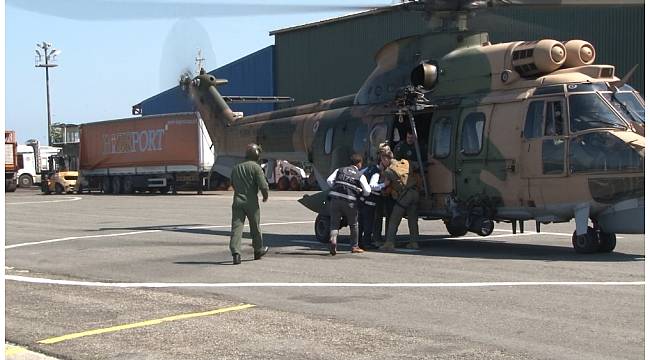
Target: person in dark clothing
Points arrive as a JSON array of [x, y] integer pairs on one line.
[[368, 208], [346, 187], [247, 180]]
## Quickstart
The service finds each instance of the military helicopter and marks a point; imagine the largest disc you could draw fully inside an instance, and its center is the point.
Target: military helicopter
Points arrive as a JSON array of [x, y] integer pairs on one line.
[[526, 130], [512, 132]]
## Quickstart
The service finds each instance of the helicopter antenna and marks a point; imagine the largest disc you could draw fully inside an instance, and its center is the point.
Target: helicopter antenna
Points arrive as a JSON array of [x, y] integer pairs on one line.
[[199, 59]]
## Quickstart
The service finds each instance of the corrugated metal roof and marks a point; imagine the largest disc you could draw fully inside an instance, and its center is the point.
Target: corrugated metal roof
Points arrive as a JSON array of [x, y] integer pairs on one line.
[[336, 19]]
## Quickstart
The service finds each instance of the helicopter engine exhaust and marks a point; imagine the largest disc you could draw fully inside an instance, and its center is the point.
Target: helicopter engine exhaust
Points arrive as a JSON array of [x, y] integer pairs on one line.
[[579, 53], [425, 75], [535, 58]]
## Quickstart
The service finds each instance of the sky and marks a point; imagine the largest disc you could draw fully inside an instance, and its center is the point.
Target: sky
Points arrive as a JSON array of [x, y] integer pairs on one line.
[[107, 65]]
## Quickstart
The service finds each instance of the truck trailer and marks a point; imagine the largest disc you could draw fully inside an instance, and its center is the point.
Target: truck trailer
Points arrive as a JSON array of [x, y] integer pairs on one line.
[[11, 161], [160, 153]]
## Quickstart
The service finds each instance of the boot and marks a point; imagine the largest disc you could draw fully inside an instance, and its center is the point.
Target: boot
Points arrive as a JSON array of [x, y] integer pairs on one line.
[[412, 245], [236, 259], [259, 255], [332, 249], [388, 246]]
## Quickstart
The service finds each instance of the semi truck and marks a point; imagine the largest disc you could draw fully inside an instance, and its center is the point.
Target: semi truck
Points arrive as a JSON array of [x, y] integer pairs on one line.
[[33, 162], [157, 153], [11, 161]]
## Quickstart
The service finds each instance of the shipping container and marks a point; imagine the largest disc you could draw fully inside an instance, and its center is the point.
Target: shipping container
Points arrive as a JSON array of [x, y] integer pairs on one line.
[[11, 163], [151, 153]]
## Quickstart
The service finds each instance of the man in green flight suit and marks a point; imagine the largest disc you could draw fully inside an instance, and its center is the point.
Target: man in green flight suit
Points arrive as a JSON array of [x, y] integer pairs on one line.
[[247, 179]]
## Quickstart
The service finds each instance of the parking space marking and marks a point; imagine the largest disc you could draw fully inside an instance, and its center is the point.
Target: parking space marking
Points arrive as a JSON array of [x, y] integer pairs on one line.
[[142, 232], [316, 284], [58, 339], [45, 201], [11, 350]]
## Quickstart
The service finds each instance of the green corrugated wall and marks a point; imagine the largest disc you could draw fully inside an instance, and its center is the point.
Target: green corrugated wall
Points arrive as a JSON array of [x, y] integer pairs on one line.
[[334, 59]]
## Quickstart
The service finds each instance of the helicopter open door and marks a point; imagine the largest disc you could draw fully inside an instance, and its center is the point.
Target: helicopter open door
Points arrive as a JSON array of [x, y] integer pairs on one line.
[[544, 146], [471, 151]]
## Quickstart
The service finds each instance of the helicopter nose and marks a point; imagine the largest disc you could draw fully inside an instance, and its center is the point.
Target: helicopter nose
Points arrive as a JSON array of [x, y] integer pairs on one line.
[[625, 197]]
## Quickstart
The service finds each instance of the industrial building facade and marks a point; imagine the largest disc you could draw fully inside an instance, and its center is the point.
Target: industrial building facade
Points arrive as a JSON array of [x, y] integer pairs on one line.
[[252, 75], [332, 58]]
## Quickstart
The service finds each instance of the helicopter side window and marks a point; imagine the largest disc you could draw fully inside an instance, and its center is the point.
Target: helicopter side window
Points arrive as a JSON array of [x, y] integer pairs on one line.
[[442, 138], [534, 119], [472, 135], [603, 152], [328, 140], [589, 111], [360, 143], [554, 119]]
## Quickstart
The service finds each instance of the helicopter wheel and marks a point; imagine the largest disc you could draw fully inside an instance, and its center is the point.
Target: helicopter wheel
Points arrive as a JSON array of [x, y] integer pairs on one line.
[[587, 243], [456, 230], [322, 228], [606, 242], [294, 184], [283, 184]]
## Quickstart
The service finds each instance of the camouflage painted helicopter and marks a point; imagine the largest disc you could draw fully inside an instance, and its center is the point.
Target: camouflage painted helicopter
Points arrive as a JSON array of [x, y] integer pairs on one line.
[[504, 132]]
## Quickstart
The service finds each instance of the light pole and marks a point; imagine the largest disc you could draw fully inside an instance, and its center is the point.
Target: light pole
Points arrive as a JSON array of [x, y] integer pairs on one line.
[[46, 60]]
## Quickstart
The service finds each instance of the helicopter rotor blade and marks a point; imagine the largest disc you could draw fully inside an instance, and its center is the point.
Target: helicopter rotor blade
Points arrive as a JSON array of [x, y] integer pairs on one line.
[[157, 9], [563, 2]]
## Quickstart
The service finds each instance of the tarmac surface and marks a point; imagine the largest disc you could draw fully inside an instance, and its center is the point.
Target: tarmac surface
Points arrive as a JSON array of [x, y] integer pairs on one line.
[[151, 277]]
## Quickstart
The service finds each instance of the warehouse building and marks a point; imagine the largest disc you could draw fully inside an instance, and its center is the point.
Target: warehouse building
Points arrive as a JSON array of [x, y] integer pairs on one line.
[[252, 75], [333, 57]]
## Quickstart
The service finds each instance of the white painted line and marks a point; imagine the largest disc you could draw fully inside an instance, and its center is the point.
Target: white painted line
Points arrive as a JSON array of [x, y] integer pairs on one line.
[[45, 201], [140, 232], [326, 285]]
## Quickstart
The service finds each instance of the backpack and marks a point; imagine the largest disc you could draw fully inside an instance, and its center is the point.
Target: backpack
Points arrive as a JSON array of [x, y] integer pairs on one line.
[[404, 178]]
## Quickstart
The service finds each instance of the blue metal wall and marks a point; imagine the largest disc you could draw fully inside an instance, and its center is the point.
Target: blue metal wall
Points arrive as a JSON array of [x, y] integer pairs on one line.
[[250, 75]]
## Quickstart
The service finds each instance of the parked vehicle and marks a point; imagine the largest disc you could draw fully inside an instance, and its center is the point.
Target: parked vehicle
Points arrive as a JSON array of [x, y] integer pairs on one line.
[[58, 178], [31, 166], [11, 161], [152, 153]]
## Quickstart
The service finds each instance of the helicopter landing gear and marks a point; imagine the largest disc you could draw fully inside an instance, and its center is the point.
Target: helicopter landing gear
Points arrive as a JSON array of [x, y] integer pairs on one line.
[[594, 241], [322, 228], [586, 243], [456, 230], [591, 239]]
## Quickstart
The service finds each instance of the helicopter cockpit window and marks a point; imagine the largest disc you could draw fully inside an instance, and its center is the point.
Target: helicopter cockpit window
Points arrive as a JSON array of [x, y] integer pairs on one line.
[[628, 105], [329, 136], [472, 135], [589, 111], [554, 125], [546, 90], [603, 152], [441, 137], [360, 143], [534, 120], [588, 87]]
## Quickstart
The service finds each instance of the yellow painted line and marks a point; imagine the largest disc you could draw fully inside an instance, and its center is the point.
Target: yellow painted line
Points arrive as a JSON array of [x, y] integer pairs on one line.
[[11, 350], [144, 323]]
